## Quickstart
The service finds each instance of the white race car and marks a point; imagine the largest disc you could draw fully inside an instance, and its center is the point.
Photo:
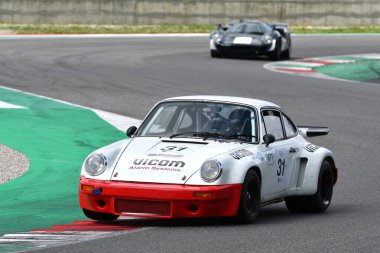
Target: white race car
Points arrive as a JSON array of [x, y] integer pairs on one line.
[[202, 156]]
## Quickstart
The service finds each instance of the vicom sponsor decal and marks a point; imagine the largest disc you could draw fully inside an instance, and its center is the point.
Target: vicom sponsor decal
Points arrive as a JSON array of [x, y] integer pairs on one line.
[[157, 164]]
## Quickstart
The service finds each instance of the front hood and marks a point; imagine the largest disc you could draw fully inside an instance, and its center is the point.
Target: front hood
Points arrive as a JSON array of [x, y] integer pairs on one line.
[[230, 38], [163, 160]]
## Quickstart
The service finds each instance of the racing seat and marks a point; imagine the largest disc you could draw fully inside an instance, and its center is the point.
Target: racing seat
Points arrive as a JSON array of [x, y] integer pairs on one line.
[[240, 124]]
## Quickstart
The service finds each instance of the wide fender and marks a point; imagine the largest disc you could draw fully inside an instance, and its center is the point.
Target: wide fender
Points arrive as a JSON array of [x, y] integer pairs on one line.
[[234, 168], [313, 166], [276, 34], [212, 44]]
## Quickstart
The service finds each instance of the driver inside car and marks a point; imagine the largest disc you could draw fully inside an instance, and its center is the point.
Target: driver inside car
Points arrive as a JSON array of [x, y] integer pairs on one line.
[[239, 125]]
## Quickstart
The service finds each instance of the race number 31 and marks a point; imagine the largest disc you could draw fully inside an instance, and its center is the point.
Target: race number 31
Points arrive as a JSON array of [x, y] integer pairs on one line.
[[172, 148], [281, 167]]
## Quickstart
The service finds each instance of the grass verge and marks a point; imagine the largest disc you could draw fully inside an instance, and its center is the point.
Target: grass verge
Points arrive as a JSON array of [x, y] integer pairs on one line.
[[104, 29], [133, 29], [335, 29]]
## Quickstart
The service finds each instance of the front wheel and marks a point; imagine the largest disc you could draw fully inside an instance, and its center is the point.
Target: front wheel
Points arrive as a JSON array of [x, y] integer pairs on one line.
[[276, 54], [99, 216], [249, 198], [215, 53], [287, 53], [321, 200]]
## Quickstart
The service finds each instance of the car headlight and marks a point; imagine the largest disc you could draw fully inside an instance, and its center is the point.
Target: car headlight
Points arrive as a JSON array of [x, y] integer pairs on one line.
[[267, 39], [211, 170], [95, 164], [217, 39]]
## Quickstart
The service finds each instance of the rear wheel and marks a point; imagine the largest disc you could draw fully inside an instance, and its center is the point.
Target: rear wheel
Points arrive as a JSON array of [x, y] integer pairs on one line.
[[99, 216], [249, 198], [321, 200]]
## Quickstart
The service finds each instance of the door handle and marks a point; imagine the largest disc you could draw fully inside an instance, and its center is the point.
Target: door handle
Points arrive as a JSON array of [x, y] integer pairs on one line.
[[292, 150]]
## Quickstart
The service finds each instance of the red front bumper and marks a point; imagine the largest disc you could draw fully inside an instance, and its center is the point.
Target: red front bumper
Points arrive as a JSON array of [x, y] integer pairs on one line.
[[158, 200]]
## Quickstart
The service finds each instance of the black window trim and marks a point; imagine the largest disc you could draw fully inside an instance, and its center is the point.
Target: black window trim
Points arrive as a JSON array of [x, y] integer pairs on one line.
[[291, 121], [282, 122], [253, 108]]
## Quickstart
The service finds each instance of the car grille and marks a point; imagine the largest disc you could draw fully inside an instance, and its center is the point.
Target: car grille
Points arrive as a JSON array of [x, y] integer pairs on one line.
[[143, 207]]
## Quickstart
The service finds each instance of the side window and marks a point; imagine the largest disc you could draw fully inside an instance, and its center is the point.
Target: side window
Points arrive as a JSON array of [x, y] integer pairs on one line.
[[273, 125], [290, 128]]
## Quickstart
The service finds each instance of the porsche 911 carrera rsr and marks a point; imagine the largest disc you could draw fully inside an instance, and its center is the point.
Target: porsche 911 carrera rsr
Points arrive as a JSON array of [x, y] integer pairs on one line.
[[250, 38], [203, 156]]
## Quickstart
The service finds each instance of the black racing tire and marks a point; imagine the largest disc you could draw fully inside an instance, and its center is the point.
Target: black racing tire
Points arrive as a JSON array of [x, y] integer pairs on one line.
[[295, 204], [318, 202], [249, 198], [99, 216], [287, 53], [215, 53], [276, 54]]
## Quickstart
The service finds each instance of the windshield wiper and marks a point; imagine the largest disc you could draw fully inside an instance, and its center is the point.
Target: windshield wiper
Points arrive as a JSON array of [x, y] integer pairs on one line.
[[205, 135], [186, 133], [238, 136]]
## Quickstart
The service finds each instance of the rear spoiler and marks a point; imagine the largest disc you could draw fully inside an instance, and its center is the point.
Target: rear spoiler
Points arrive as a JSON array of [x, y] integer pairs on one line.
[[312, 131], [281, 28], [283, 25]]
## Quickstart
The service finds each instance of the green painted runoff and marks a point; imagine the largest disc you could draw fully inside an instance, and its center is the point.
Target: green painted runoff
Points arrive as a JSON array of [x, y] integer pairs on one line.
[[362, 70], [56, 138]]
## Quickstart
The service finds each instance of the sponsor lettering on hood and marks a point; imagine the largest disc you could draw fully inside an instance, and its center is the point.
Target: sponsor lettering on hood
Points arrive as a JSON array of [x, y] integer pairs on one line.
[[157, 165]]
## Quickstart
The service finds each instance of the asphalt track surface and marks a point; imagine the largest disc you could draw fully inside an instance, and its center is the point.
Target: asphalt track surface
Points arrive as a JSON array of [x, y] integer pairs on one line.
[[127, 76]]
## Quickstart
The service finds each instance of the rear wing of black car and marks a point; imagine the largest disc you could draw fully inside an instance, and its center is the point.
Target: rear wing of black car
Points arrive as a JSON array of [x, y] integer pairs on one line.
[[284, 25], [312, 131], [281, 27]]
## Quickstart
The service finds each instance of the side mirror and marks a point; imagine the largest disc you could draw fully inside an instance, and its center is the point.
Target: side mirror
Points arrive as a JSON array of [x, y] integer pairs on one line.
[[268, 139], [131, 130]]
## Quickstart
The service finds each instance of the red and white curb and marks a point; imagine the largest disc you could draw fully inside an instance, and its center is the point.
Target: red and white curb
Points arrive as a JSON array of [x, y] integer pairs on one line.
[[308, 66], [68, 233]]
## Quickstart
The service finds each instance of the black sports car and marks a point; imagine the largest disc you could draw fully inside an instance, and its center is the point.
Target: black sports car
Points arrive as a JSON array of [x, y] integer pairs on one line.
[[251, 37]]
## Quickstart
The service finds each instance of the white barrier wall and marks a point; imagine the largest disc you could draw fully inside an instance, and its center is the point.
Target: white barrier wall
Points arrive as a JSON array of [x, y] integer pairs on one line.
[[295, 12]]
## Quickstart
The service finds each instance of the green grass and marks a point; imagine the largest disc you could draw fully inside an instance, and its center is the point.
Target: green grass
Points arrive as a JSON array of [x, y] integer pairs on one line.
[[335, 29], [126, 29], [107, 29]]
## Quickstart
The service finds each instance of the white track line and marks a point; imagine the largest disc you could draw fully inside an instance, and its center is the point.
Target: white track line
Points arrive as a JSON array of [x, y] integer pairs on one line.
[[119, 121], [6, 105]]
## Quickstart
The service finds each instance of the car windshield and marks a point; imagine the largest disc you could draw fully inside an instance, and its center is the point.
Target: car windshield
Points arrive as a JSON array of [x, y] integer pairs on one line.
[[247, 28], [201, 120]]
